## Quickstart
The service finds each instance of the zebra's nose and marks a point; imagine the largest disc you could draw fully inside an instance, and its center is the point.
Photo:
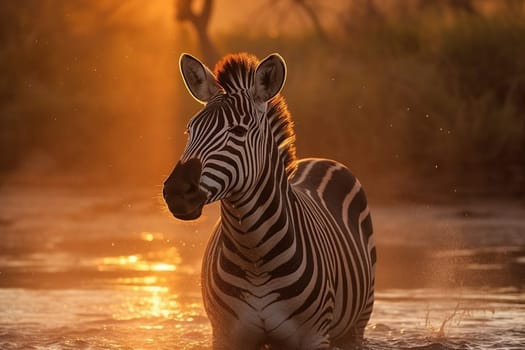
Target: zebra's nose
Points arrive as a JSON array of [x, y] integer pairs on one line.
[[184, 179], [184, 190], [181, 190]]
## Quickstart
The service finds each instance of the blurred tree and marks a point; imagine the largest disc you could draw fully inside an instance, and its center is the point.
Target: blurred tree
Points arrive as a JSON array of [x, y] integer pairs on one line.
[[58, 100], [369, 9], [515, 5], [466, 6], [185, 12], [26, 42], [363, 15], [312, 9], [312, 13]]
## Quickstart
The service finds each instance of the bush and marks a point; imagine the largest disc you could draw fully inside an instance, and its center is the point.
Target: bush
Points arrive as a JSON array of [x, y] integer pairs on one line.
[[420, 100], [484, 59]]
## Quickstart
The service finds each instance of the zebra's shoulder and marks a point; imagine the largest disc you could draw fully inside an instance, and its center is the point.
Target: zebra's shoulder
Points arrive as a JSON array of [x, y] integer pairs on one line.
[[314, 172]]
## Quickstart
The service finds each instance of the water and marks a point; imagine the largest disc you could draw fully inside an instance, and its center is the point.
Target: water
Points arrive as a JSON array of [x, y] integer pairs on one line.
[[109, 269]]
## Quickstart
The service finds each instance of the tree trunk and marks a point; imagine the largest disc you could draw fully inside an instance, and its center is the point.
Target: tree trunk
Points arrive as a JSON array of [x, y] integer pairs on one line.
[[184, 12]]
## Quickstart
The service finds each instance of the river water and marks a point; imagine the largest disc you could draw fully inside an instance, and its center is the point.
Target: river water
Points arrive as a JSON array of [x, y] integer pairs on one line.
[[110, 269]]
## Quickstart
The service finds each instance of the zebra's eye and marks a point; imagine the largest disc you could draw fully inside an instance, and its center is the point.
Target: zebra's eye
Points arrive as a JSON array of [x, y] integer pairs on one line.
[[238, 130]]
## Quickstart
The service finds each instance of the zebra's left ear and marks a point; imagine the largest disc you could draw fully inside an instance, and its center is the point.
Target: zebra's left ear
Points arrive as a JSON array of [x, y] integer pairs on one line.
[[269, 77]]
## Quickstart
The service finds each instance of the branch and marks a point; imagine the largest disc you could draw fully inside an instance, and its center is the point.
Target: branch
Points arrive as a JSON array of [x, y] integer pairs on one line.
[[199, 21], [312, 15]]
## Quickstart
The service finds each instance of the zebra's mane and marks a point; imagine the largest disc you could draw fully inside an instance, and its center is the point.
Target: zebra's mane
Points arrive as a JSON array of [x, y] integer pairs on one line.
[[235, 72]]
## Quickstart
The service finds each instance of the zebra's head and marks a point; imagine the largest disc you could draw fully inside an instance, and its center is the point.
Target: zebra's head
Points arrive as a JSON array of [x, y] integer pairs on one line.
[[228, 139]]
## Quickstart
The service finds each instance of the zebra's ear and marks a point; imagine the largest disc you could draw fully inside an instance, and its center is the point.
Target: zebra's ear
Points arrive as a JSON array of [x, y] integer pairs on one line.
[[269, 77], [199, 80]]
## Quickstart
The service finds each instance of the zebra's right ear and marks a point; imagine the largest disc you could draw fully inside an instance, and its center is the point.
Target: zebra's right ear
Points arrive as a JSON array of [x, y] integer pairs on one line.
[[198, 78]]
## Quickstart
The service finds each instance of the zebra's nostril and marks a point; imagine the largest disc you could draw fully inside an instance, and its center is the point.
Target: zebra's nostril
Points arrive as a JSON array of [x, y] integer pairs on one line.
[[183, 190], [183, 182], [187, 188], [190, 190]]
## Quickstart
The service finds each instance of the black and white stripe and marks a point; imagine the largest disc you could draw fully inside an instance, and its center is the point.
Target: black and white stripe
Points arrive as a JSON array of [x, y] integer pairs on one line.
[[291, 261]]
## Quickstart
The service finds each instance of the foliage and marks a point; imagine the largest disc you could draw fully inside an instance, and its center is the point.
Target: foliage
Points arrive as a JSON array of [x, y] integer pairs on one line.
[[419, 101], [70, 97], [413, 98]]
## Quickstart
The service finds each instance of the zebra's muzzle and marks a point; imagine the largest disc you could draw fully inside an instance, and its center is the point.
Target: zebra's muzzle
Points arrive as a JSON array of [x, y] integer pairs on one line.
[[184, 197]]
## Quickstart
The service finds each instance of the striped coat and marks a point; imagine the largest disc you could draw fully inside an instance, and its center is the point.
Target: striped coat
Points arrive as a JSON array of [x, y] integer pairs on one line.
[[291, 261]]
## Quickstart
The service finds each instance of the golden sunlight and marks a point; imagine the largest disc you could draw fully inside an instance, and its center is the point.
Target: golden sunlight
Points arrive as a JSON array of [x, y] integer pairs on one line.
[[163, 267], [150, 236], [167, 260], [157, 305], [153, 301], [146, 281], [134, 263]]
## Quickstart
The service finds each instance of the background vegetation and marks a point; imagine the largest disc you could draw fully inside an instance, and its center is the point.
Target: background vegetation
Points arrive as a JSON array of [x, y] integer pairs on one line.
[[415, 96]]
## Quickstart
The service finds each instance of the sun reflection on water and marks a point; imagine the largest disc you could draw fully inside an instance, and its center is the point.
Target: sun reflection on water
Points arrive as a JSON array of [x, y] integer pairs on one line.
[[146, 280], [136, 263], [164, 260], [148, 299], [148, 284]]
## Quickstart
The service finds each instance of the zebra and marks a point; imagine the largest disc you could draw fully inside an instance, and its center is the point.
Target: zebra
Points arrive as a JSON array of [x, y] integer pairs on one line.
[[291, 262]]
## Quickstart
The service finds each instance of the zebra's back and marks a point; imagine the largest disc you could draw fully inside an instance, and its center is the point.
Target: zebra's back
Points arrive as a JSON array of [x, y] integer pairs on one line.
[[343, 221]]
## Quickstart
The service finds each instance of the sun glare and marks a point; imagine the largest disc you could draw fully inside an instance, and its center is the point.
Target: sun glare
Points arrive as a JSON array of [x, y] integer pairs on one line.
[[151, 236], [164, 261], [136, 263], [146, 236], [163, 267]]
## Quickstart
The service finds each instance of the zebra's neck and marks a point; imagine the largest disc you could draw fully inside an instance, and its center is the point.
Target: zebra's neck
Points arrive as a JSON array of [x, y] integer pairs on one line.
[[255, 224]]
